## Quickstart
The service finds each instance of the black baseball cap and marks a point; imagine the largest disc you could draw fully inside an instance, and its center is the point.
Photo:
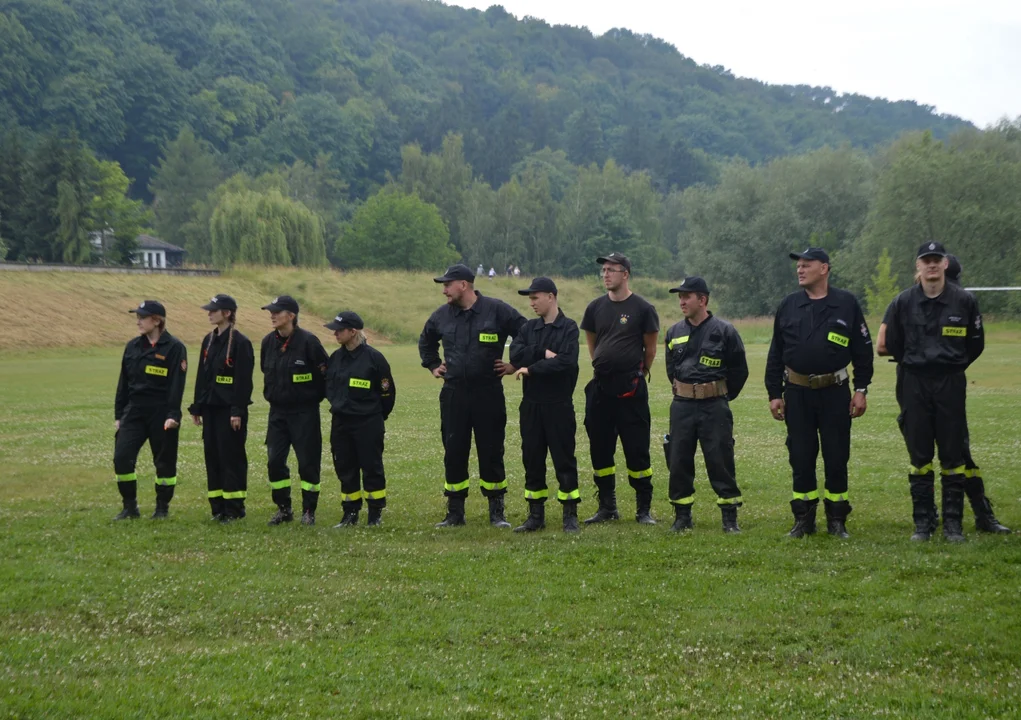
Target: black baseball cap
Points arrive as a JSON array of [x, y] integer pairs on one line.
[[221, 302], [693, 284], [150, 307], [615, 257], [540, 284], [456, 272], [284, 302], [812, 253], [345, 319], [932, 248], [954, 269]]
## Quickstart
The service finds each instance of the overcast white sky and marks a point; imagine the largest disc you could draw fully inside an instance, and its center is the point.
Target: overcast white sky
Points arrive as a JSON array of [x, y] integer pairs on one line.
[[962, 57]]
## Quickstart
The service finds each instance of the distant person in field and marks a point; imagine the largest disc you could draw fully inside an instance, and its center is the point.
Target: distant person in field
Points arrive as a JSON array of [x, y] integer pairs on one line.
[[934, 332], [974, 487], [817, 332], [706, 366], [361, 392], [492, 273], [473, 330], [545, 353], [480, 271], [223, 392], [621, 331], [148, 408], [293, 364]]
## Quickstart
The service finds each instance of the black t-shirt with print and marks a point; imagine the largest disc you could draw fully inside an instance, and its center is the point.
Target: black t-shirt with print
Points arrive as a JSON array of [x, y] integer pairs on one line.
[[619, 328]]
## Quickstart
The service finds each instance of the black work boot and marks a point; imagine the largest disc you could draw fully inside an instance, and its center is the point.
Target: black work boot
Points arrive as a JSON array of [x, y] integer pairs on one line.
[[571, 517], [682, 519], [607, 496], [375, 516], [130, 511], [496, 512], [643, 507], [953, 509], [730, 518], [804, 518], [836, 518], [216, 506], [283, 515], [308, 517], [536, 519], [985, 521], [923, 507], [164, 493], [455, 512], [350, 518]]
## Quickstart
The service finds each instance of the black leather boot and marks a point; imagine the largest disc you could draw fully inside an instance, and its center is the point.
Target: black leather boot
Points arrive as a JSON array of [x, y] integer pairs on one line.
[[282, 515], [804, 518], [682, 519], [536, 519], [375, 516], [455, 512], [643, 507], [350, 518], [729, 518], [607, 496], [836, 517], [496, 512], [953, 508], [130, 511], [985, 521], [571, 517], [164, 494]]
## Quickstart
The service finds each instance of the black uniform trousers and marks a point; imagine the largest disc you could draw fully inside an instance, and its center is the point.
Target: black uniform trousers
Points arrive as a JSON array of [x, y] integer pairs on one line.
[[549, 427], [708, 423], [482, 409], [934, 412], [138, 425], [608, 417], [356, 442], [812, 416], [226, 461], [971, 470], [299, 428]]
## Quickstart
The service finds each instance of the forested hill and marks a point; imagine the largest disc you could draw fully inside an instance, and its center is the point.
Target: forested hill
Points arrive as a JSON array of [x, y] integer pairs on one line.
[[269, 82]]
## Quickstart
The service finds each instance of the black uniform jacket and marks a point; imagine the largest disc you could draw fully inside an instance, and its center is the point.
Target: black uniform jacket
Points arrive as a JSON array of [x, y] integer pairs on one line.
[[359, 382], [706, 353], [152, 375], [473, 339], [223, 381], [294, 369], [815, 337], [937, 335], [548, 380]]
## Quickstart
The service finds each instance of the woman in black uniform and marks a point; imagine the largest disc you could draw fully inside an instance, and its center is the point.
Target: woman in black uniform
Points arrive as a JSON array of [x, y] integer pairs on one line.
[[223, 392], [361, 392], [148, 407]]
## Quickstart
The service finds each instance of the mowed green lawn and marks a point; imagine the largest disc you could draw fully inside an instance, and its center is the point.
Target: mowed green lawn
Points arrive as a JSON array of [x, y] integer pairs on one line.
[[188, 619]]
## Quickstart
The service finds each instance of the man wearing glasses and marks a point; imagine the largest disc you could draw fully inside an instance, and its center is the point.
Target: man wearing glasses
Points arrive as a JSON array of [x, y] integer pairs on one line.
[[621, 329]]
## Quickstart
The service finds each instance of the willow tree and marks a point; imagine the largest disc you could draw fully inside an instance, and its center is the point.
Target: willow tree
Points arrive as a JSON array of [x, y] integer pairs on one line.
[[265, 229]]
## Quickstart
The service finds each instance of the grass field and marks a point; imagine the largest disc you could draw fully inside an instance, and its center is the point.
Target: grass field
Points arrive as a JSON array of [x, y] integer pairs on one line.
[[186, 619]]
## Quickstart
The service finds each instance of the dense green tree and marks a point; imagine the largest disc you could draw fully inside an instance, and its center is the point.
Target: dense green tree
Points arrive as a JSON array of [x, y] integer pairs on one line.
[[13, 178], [265, 229], [113, 217]]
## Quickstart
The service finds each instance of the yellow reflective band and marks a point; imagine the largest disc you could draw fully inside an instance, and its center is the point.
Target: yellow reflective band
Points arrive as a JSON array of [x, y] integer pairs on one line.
[[224, 379], [710, 362], [489, 337], [280, 484], [167, 481], [835, 497], [604, 472], [239, 495], [677, 341], [215, 493], [309, 486], [730, 501], [814, 495], [971, 473], [493, 486], [352, 497], [457, 487], [841, 340], [690, 500], [536, 494], [130, 477], [949, 331], [304, 377], [374, 495], [953, 471], [566, 497], [359, 383], [924, 470], [153, 370], [639, 473]]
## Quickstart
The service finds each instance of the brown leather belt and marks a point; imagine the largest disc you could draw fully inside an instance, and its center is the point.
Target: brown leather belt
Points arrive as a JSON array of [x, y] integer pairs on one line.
[[816, 382], [700, 391]]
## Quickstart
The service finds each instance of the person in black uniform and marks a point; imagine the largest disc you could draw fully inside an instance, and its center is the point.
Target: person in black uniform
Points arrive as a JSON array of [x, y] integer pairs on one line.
[[706, 365], [148, 407], [223, 392], [974, 486], [545, 351], [361, 392], [935, 333], [817, 332], [473, 330], [621, 330], [293, 364]]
